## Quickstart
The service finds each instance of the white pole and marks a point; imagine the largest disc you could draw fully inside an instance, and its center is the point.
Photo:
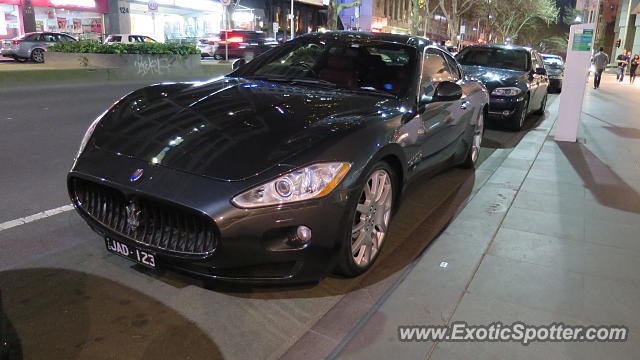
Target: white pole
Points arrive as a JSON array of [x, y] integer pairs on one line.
[[293, 25]]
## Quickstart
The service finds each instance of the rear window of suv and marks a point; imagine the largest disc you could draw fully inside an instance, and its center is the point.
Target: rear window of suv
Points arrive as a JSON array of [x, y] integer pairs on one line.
[[501, 58]]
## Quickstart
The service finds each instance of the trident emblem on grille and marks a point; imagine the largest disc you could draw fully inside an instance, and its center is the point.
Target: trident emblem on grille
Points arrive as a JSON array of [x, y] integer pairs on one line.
[[133, 216]]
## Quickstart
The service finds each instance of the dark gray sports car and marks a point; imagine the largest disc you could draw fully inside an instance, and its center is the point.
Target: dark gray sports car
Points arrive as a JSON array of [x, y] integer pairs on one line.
[[287, 168]]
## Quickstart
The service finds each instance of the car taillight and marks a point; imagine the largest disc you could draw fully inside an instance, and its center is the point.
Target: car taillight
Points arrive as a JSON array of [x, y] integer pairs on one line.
[[235, 39], [15, 42]]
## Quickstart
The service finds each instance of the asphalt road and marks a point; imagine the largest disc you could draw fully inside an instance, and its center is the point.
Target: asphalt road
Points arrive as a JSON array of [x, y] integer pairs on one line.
[[66, 297]]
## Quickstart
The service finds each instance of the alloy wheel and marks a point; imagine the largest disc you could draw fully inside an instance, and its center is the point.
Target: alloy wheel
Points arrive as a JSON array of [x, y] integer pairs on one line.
[[372, 217], [523, 114], [38, 55], [477, 139]]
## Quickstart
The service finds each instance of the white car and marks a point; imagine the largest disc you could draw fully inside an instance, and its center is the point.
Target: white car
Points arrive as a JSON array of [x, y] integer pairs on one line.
[[127, 39]]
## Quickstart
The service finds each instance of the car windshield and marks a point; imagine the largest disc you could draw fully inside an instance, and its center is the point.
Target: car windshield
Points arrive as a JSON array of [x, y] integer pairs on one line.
[[552, 61], [502, 58], [354, 64]]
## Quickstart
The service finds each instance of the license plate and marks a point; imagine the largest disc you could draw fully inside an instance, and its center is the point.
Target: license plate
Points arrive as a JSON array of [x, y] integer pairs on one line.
[[142, 257]]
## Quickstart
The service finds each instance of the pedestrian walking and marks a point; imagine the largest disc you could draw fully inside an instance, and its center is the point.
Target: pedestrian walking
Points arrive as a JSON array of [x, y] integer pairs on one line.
[[600, 61], [623, 61], [633, 66]]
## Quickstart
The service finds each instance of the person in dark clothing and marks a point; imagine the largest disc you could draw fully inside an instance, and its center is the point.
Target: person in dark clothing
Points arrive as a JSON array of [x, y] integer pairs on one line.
[[600, 61], [633, 66], [623, 61]]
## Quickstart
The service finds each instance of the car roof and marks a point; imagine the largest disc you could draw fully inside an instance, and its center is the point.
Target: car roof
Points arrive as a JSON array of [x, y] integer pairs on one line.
[[397, 38], [500, 46], [551, 55]]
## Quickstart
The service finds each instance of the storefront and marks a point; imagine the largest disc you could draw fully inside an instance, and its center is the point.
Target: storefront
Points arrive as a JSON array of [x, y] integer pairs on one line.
[[83, 19], [176, 20], [10, 25]]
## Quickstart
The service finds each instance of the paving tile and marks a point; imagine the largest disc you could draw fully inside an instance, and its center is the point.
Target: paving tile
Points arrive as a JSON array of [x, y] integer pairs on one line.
[[550, 187], [612, 302], [489, 205], [530, 285], [546, 223], [507, 177], [613, 234], [568, 255]]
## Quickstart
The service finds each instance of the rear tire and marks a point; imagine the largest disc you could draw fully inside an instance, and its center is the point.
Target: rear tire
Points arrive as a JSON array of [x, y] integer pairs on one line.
[[474, 150], [371, 217]]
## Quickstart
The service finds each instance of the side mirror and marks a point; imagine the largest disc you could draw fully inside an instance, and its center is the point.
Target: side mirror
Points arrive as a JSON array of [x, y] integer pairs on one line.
[[541, 71], [447, 91], [238, 63]]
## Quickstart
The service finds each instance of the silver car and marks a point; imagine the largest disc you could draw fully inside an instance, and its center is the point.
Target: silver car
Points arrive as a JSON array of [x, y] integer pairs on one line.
[[32, 45]]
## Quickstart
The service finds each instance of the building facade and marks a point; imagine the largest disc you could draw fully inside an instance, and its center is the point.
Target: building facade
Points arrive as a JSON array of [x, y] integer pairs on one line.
[[627, 27], [83, 19]]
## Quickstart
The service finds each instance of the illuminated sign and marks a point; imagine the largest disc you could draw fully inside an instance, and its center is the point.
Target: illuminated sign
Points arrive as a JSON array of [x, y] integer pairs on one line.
[[92, 5]]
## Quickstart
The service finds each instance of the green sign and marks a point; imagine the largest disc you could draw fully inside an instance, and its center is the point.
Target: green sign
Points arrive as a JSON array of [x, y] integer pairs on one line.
[[582, 40]]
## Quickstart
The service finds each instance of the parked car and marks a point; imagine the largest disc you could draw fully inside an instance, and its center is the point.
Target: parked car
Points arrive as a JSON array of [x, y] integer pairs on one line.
[[127, 39], [241, 44], [32, 45], [208, 45], [515, 76], [288, 167], [555, 70]]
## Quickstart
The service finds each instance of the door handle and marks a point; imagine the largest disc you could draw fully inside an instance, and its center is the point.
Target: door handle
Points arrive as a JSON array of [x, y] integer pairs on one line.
[[465, 105]]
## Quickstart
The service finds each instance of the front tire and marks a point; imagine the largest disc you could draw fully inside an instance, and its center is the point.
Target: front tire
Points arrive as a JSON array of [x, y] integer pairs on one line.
[[518, 119], [370, 221], [37, 55]]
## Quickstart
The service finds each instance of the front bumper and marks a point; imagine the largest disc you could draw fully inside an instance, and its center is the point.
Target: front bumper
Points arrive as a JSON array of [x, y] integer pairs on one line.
[[555, 83], [252, 245], [503, 107]]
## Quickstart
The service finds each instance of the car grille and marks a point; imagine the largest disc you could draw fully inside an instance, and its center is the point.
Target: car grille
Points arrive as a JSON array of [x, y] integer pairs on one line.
[[150, 222]]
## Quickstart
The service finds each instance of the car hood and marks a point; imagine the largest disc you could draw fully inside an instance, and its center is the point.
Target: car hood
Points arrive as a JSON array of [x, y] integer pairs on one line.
[[228, 129], [495, 77]]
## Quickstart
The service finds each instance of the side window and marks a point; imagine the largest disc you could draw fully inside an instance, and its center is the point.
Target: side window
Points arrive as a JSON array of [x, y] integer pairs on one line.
[[434, 70], [34, 37], [133, 39], [49, 37], [453, 66]]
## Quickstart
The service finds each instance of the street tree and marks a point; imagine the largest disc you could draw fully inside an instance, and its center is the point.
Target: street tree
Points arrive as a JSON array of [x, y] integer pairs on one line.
[[511, 16], [453, 11], [335, 9]]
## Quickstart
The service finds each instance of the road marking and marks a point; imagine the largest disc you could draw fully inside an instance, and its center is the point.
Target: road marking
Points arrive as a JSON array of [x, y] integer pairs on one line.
[[31, 218]]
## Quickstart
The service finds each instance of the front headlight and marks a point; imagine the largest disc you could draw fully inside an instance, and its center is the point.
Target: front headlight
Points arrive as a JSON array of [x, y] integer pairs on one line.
[[506, 91], [310, 182]]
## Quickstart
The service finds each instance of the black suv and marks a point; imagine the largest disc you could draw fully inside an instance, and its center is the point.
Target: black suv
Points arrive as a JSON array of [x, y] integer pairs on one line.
[[515, 76]]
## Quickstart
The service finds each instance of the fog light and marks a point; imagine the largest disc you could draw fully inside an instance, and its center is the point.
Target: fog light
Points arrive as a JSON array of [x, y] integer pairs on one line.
[[303, 234], [506, 113]]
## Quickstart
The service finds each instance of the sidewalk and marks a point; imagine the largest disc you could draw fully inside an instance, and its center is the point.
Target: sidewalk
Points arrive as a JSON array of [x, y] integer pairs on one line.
[[551, 236]]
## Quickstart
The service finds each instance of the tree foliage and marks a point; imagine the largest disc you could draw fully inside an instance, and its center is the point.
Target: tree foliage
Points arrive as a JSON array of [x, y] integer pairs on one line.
[[510, 17]]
